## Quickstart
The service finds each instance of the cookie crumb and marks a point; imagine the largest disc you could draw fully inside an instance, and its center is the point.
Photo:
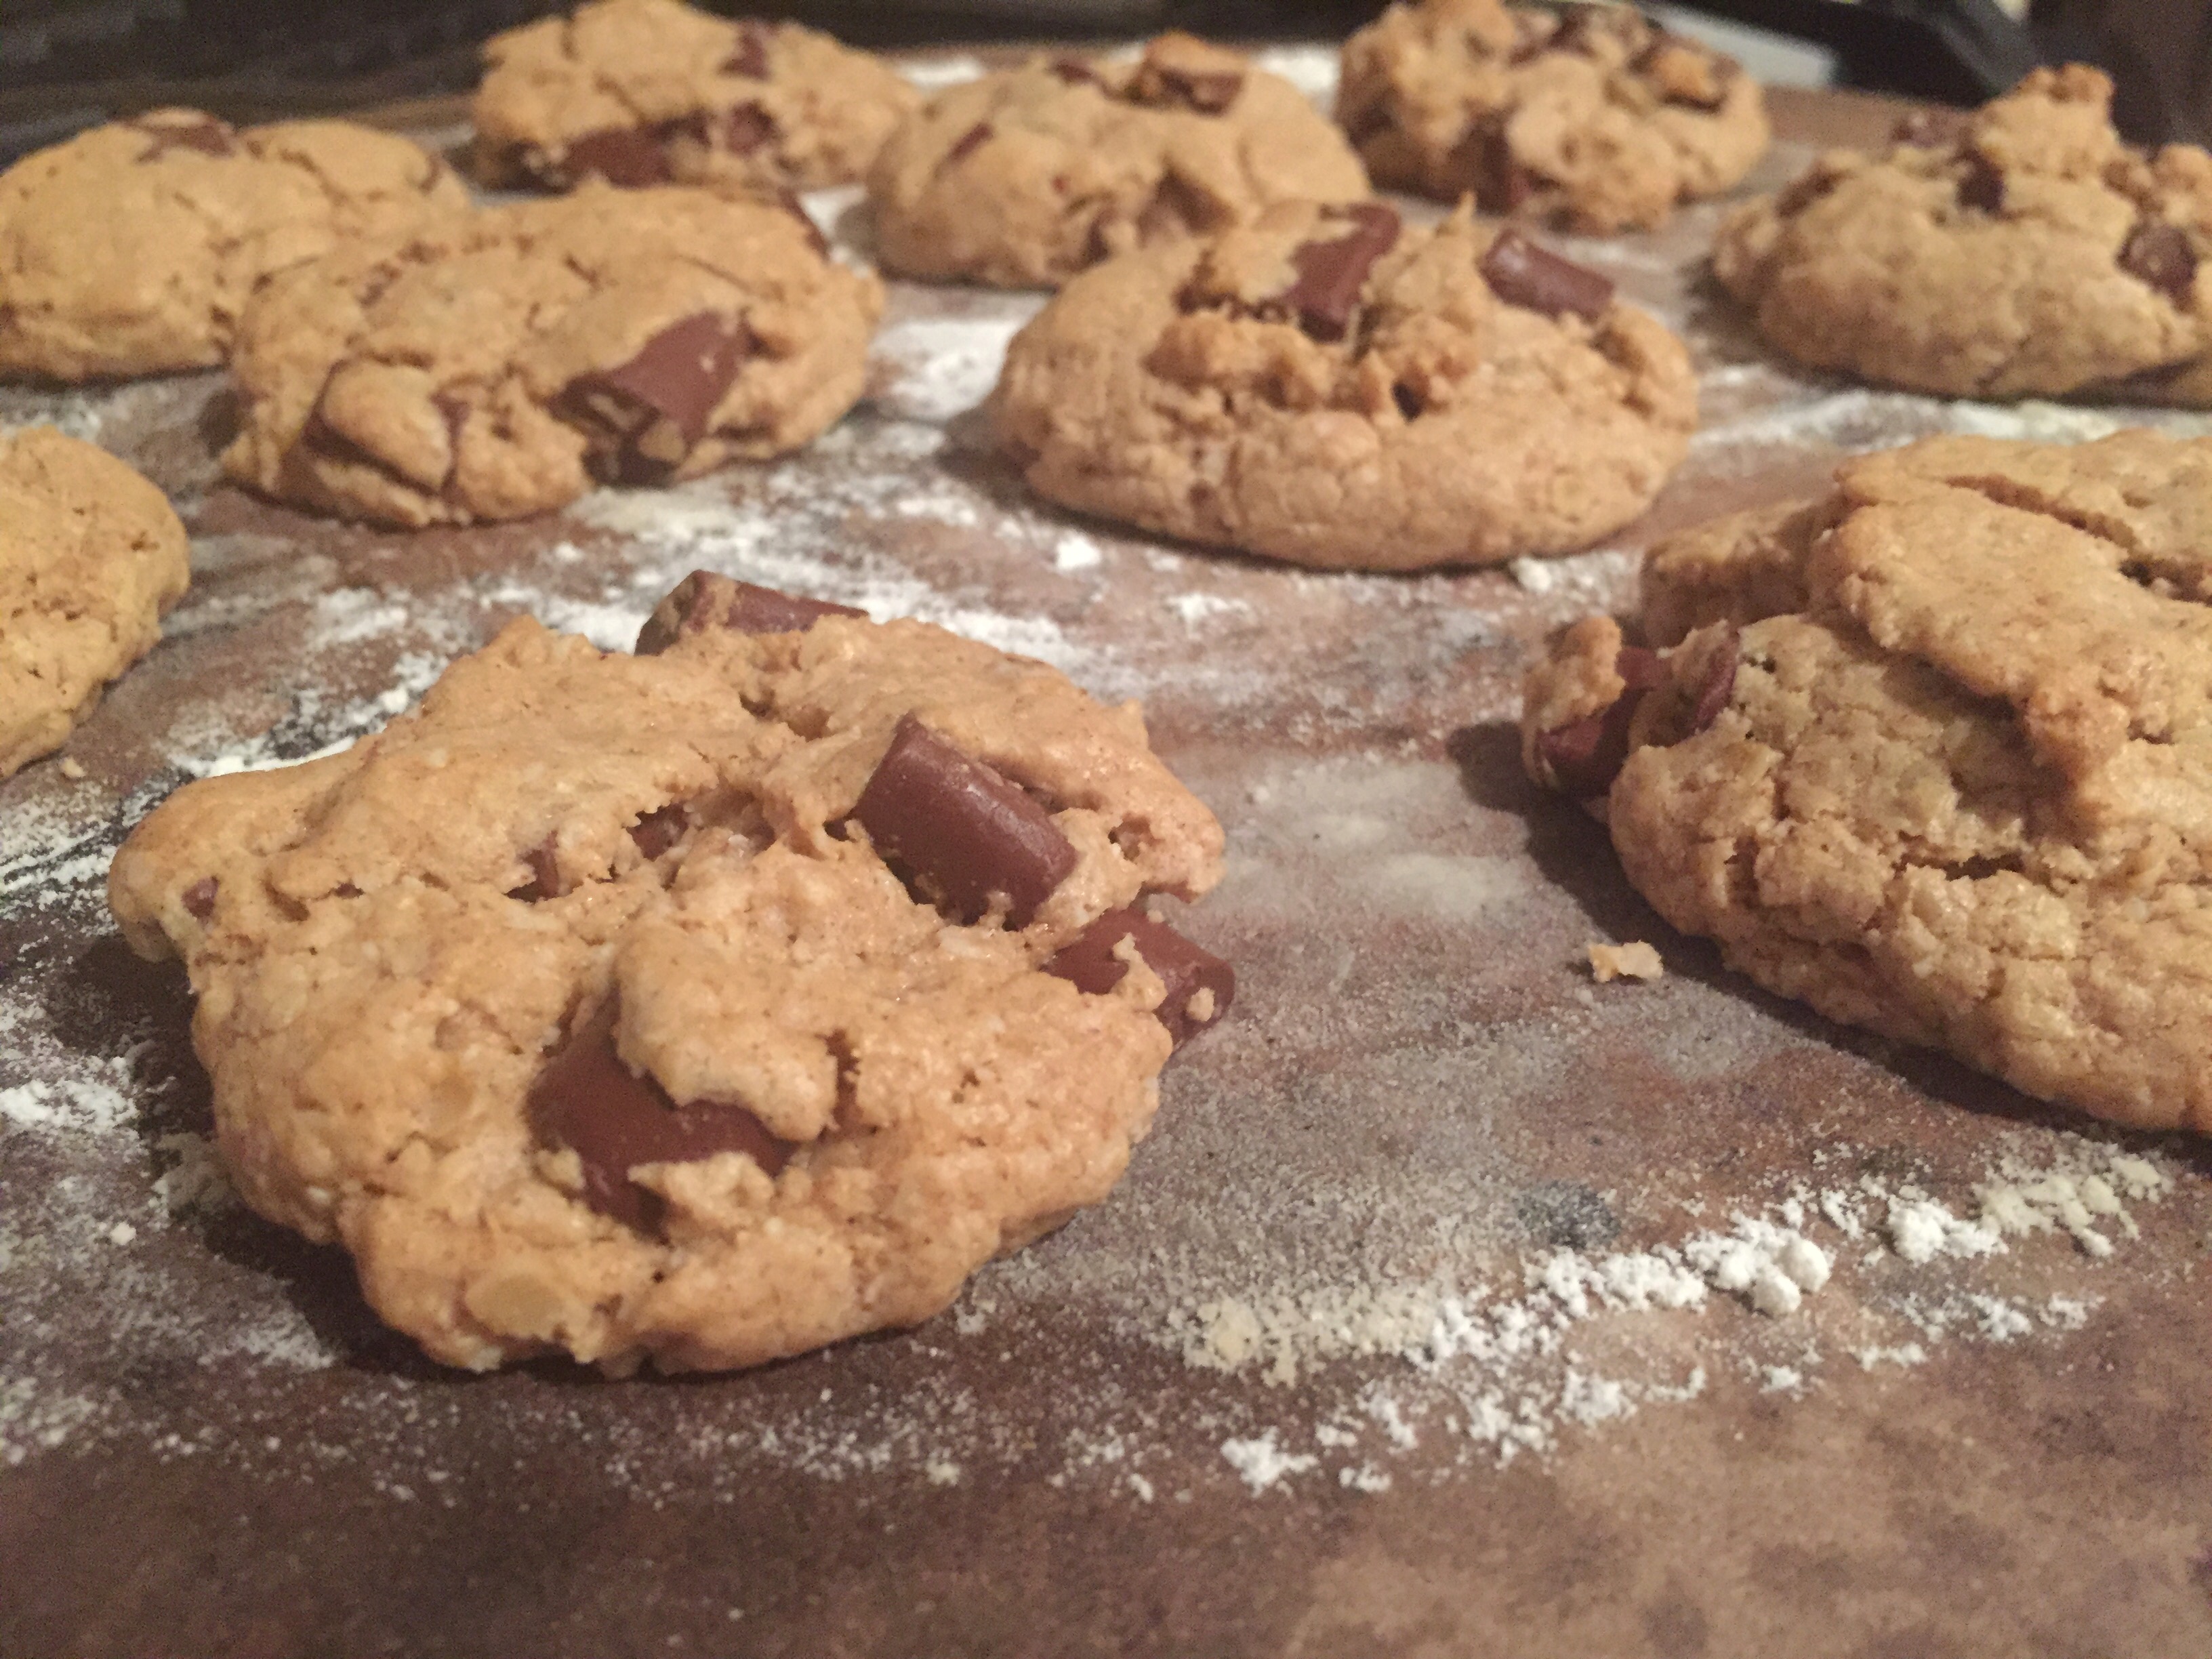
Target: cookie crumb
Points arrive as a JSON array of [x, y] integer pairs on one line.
[[1635, 960], [70, 769]]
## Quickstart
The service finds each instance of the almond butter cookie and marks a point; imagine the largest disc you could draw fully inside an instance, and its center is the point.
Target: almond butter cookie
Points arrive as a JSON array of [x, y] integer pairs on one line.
[[703, 1005]]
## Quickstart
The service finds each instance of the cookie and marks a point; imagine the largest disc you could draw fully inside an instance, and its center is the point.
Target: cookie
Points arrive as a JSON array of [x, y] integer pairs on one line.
[[1023, 178], [1956, 788], [495, 365], [131, 249], [652, 92], [1588, 117], [703, 1005], [91, 554], [1329, 387], [2022, 251]]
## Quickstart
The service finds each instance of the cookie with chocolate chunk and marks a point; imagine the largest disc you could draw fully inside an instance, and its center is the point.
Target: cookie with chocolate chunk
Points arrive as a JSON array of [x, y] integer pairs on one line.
[[1025, 176], [494, 366], [1331, 387], [1934, 754], [91, 554], [1587, 116], [653, 92], [133, 248], [702, 1005], [2021, 251]]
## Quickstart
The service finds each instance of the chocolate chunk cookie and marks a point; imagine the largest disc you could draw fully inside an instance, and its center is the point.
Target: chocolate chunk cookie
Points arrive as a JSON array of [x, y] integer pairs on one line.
[[91, 554], [1587, 116], [652, 92], [703, 1006], [2022, 251], [131, 249], [495, 365], [1024, 178], [1330, 387], [1934, 754]]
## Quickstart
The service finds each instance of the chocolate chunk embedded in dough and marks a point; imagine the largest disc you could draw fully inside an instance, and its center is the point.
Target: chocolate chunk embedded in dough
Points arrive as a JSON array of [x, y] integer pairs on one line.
[[199, 898], [644, 415], [970, 141], [1587, 755], [746, 128], [201, 133], [1201, 986], [706, 599], [2161, 255], [1522, 273], [1333, 272], [588, 1100], [749, 57], [656, 831], [960, 829], [630, 157]]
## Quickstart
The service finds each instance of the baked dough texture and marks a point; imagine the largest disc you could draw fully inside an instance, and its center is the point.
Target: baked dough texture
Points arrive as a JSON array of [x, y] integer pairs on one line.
[[91, 554], [395, 948], [1263, 390], [1023, 178], [650, 92], [2023, 251], [133, 248], [1589, 117], [1957, 787], [493, 366]]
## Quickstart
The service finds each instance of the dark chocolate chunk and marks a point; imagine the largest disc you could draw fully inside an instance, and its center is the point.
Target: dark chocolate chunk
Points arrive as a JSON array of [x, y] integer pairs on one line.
[[1720, 685], [204, 134], [706, 599], [1167, 85], [1075, 72], [2162, 256], [1805, 190], [1983, 187], [961, 830], [630, 157], [656, 831], [1332, 272], [1484, 158], [644, 415], [1930, 128], [1088, 961], [1586, 756], [1522, 273], [968, 142], [749, 57], [545, 881], [586, 1099], [199, 898], [1407, 399], [746, 128]]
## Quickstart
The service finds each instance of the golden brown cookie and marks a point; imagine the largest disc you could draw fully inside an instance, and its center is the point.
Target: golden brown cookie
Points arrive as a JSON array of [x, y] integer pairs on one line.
[[133, 248], [1587, 116], [653, 92], [1330, 387], [493, 367], [91, 554], [703, 1006], [1023, 178], [1939, 762]]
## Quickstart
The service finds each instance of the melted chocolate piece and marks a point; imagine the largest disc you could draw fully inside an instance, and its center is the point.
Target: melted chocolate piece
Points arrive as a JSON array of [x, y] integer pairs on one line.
[[746, 128], [656, 831], [630, 157], [960, 829], [1586, 756], [1930, 128], [1088, 961], [1983, 188], [204, 135], [199, 898], [968, 142], [2162, 256], [1522, 273], [1484, 157], [1332, 273], [706, 599], [1163, 85], [643, 417], [1075, 72], [1720, 685], [545, 881], [586, 1099], [749, 56]]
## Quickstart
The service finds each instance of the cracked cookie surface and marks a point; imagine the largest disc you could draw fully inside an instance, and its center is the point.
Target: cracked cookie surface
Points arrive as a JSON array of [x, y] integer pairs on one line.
[[133, 248], [1025, 176], [492, 365], [1940, 763], [1329, 387], [2022, 251], [1589, 117], [91, 554], [633, 1007], [651, 92]]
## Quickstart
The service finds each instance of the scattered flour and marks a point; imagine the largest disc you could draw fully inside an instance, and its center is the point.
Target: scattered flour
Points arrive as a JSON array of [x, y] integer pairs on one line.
[[1262, 1464]]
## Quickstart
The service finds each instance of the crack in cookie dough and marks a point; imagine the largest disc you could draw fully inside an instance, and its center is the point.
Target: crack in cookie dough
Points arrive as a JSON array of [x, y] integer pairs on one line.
[[1329, 387], [492, 367], [1590, 116], [1025, 176], [131, 250], [586, 1008], [2022, 251], [1959, 789]]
